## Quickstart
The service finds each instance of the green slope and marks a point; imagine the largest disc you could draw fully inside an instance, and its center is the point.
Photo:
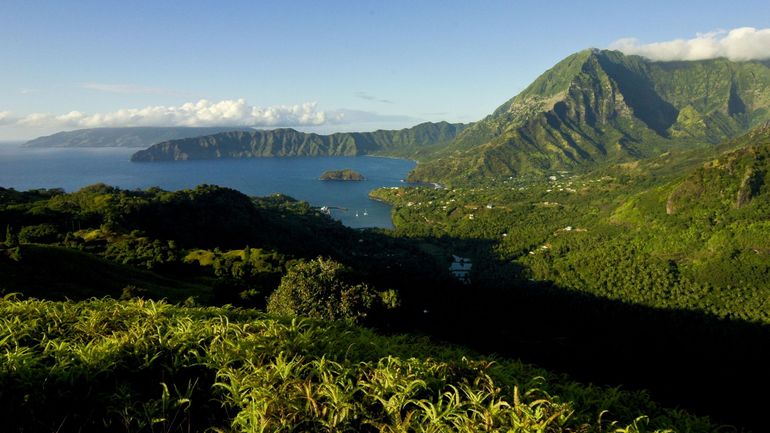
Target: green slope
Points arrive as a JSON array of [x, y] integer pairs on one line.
[[682, 230], [733, 181]]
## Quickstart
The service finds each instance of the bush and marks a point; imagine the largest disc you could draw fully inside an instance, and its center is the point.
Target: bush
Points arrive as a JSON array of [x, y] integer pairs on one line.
[[144, 253], [321, 289], [132, 292], [11, 238], [41, 233]]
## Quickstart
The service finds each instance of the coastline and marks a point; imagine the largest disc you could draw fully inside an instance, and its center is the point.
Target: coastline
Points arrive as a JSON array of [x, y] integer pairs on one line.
[[369, 155]]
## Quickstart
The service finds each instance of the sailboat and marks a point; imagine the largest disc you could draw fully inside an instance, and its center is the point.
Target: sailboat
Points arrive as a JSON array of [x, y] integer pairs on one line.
[[356, 214], [365, 212]]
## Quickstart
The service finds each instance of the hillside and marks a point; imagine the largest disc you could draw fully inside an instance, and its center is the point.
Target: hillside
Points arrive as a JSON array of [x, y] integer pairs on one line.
[[667, 255], [122, 137], [170, 244], [732, 181], [597, 107], [289, 142], [645, 234]]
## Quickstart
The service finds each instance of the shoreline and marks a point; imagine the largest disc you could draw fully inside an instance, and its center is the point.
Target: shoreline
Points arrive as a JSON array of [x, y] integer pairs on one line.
[[389, 157]]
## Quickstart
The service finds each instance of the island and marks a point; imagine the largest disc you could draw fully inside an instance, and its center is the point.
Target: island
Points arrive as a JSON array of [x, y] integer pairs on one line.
[[346, 174]]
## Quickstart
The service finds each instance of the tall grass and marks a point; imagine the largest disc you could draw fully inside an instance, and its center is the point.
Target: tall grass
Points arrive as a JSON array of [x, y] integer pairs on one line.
[[104, 365]]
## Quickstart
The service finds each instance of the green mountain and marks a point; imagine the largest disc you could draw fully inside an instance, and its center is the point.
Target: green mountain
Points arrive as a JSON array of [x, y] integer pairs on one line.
[[599, 107], [289, 142], [121, 137]]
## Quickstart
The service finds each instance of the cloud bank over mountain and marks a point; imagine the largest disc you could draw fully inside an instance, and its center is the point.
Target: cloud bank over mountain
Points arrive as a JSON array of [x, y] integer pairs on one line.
[[202, 113], [237, 113], [744, 43]]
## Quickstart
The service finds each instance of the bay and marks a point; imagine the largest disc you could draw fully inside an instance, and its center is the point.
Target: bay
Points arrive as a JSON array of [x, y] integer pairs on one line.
[[72, 169]]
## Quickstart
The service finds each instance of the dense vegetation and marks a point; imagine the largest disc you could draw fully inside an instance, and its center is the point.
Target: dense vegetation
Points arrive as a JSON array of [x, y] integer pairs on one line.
[[321, 289], [228, 246], [669, 254], [697, 243], [104, 365]]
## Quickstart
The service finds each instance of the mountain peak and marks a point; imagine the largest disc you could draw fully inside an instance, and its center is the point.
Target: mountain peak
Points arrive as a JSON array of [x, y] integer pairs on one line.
[[599, 106]]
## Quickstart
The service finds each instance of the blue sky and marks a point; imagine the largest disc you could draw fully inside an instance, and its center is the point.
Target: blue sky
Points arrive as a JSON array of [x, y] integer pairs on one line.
[[316, 65]]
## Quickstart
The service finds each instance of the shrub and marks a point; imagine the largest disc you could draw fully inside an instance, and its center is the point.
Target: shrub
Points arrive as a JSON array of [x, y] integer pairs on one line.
[[11, 238], [41, 233], [321, 288]]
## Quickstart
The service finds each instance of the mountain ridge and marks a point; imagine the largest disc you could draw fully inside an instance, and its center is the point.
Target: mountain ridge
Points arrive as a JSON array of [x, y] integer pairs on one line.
[[290, 142], [132, 136]]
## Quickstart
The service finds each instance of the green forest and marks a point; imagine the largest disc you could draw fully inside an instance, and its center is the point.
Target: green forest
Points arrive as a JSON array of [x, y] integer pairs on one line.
[[698, 242]]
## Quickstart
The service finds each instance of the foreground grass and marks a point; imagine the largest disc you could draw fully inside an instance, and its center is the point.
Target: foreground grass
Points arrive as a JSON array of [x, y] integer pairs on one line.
[[105, 365]]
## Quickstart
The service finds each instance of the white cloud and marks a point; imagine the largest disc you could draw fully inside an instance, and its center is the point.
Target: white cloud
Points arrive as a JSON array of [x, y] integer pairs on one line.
[[6, 118], [202, 113], [744, 43]]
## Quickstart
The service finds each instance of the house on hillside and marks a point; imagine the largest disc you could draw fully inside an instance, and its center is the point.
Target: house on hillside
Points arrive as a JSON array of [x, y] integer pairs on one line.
[[461, 269]]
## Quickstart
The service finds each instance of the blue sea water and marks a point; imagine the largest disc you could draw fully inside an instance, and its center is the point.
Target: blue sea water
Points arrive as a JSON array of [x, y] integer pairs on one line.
[[71, 169]]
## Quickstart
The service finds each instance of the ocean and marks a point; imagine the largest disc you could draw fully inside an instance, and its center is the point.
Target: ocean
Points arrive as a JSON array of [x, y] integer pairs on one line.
[[72, 169]]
